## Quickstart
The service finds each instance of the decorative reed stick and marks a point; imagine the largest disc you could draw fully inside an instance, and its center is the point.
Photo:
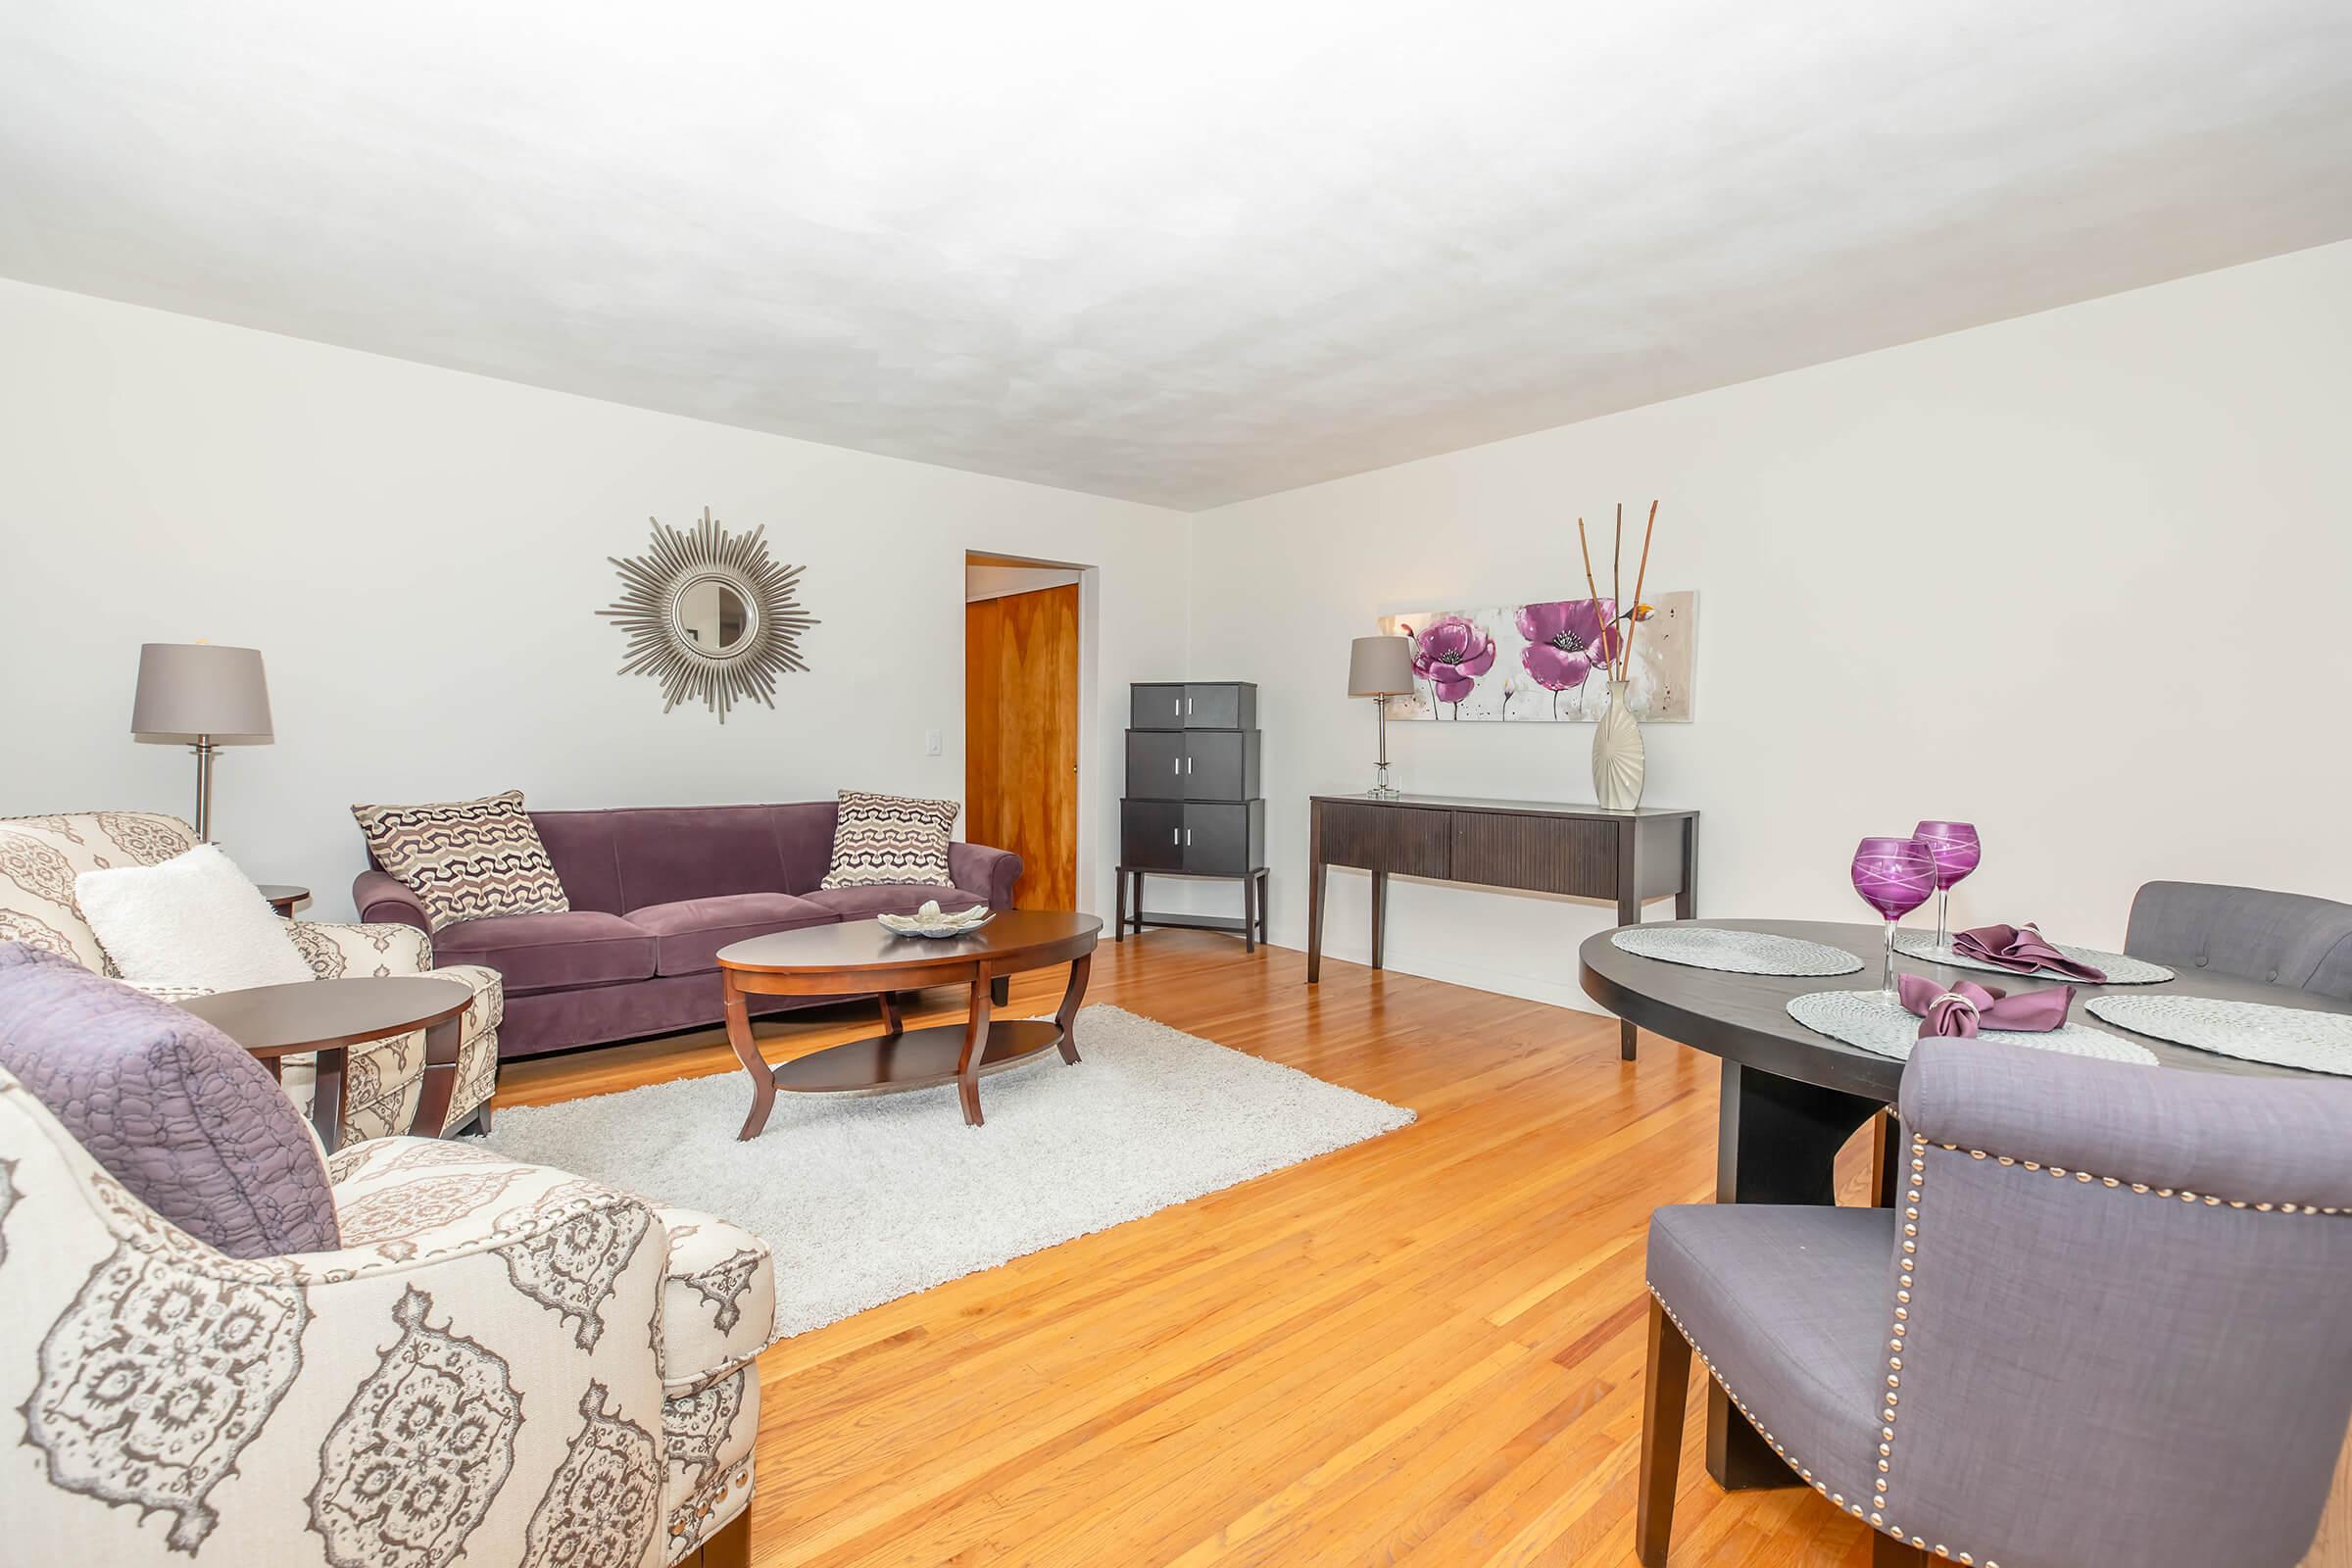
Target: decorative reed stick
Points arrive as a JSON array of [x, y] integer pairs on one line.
[[1590, 587], [1633, 617], [1616, 580]]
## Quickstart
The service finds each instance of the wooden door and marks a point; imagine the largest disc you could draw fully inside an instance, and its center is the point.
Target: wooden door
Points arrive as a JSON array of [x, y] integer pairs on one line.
[[1020, 745]]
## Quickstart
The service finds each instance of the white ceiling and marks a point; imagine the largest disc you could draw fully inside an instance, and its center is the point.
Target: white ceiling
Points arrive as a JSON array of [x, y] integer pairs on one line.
[[1184, 253]]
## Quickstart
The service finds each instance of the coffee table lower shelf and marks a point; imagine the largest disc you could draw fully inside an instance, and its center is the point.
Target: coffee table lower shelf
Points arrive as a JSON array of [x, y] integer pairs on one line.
[[920, 1059]]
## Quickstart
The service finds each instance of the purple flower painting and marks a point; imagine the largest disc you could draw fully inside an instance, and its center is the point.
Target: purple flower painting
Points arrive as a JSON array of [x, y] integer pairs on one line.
[[1546, 662], [1451, 654], [1567, 639]]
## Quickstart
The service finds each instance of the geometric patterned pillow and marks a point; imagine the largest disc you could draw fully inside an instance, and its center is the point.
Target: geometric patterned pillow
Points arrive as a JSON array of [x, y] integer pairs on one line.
[[889, 837], [465, 860]]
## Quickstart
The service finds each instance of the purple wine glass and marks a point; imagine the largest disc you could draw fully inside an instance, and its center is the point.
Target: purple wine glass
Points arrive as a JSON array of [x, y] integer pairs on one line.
[[1894, 876], [1957, 851]]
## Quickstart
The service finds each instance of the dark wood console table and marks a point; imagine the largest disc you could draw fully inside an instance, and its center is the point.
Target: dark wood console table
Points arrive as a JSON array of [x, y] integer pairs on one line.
[[1534, 846]]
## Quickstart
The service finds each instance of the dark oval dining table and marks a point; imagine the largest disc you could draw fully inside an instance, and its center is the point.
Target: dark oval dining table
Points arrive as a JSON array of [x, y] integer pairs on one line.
[[1793, 1098]]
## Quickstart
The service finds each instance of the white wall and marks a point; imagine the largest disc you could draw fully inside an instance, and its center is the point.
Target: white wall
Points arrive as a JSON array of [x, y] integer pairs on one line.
[[2081, 578], [1001, 582], [420, 555]]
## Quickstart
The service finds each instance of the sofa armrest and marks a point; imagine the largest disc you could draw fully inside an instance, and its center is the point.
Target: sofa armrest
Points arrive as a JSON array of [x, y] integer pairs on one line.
[[381, 898], [990, 873], [2219, 1135]]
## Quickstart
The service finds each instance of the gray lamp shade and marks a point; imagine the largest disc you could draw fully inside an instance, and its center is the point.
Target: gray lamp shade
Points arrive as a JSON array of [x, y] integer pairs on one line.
[[1380, 666], [192, 689]]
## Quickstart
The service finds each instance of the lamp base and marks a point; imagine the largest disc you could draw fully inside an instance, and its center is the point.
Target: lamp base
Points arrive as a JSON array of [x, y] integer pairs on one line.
[[1384, 792]]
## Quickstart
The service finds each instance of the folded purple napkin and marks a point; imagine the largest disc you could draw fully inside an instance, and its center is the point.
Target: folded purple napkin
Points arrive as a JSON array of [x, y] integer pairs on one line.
[[2024, 949], [1963, 1008]]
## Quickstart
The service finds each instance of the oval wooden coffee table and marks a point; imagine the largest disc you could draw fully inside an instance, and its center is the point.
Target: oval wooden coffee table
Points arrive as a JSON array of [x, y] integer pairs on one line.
[[859, 955], [330, 1016]]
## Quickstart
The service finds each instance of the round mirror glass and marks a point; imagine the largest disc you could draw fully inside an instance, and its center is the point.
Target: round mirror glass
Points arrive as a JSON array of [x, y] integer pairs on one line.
[[712, 617]]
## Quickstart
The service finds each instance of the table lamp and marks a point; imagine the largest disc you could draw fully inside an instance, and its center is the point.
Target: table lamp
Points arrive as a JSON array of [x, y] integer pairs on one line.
[[202, 697], [1381, 667]]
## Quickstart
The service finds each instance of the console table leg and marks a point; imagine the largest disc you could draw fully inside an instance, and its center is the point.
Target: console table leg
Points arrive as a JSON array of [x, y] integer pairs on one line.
[[1380, 915], [1629, 911], [1314, 919], [1118, 923], [1066, 1017], [1250, 913], [747, 1051], [975, 1049], [1685, 903]]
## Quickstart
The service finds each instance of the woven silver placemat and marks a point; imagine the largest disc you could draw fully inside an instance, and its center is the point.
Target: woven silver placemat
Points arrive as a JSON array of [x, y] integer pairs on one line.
[[2122, 968], [2251, 1031], [1739, 952], [1876, 1022]]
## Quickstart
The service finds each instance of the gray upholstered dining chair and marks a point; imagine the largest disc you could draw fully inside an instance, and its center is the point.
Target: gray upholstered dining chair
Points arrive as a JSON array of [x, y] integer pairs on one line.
[[2104, 1323], [2279, 939]]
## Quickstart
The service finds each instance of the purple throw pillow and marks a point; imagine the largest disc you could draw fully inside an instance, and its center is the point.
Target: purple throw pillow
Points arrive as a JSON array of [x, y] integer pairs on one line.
[[174, 1109]]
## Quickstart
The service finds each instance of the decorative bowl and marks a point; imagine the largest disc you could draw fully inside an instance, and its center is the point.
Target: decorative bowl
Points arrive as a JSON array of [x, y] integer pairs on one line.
[[932, 922]]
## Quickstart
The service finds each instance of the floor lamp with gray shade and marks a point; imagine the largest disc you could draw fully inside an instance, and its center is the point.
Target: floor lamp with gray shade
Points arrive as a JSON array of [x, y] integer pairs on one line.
[[1381, 667], [203, 697]]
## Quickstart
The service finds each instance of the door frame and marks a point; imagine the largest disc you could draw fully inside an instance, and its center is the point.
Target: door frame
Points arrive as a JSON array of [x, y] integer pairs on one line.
[[1091, 864]]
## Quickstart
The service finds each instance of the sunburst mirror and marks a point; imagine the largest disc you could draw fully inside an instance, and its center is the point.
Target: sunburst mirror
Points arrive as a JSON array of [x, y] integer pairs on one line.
[[708, 615]]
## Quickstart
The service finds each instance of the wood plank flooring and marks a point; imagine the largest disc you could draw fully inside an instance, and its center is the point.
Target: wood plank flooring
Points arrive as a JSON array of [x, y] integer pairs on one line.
[[1422, 1349]]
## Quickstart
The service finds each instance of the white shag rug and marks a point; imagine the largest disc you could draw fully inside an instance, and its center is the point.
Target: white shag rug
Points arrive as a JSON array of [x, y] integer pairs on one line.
[[867, 1198]]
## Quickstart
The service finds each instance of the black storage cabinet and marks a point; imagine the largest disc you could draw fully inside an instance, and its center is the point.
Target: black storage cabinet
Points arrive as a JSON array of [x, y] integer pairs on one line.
[[1193, 805]]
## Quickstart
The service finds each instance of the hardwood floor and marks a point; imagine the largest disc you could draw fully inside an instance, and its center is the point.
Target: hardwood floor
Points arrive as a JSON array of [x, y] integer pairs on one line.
[[1426, 1349]]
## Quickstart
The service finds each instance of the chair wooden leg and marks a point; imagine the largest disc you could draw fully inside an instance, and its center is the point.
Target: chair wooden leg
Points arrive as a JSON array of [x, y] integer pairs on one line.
[[731, 1548], [1665, 1394], [1887, 1552]]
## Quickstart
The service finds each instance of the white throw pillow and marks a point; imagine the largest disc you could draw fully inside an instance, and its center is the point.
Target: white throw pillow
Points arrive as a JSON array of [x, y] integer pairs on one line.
[[192, 920]]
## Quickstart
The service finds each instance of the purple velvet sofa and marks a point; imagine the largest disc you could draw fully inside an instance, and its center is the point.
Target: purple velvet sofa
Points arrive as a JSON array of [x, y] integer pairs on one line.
[[654, 893]]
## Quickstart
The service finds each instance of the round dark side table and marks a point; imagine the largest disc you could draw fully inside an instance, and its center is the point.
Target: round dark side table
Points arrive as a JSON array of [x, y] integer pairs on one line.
[[283, 896], [330, 1016]]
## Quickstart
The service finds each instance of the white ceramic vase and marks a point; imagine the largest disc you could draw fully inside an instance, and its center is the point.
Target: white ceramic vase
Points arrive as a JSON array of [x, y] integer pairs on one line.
[[1617, 761]]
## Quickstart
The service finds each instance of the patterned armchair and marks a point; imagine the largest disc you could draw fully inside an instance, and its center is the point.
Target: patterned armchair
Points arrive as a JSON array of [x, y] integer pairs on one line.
[[503, 1364], [40, 856]]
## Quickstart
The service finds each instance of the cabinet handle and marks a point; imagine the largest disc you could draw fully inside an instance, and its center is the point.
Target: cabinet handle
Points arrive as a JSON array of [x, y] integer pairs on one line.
[[1188, 705], [1176, 836], [1188, 838], [1179, 702], [1175, 765], [1188, 764]]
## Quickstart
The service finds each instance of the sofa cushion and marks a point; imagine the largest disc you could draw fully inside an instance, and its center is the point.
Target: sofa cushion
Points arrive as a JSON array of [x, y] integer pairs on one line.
[[890, 838], [689, 933], [890, 897], [541, 951], [675, 853], [465, 860], [174, 1109]]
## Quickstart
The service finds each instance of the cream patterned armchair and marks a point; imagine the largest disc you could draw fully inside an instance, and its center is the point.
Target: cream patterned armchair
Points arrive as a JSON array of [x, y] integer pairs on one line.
[[502, 1364], [40, 856]]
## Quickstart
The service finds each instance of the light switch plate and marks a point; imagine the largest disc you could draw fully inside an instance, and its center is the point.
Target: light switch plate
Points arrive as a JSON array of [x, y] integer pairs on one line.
[[931, 743]]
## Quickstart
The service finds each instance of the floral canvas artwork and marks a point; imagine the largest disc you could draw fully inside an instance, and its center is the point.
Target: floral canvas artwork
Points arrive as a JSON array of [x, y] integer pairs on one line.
[[1543, 662]]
